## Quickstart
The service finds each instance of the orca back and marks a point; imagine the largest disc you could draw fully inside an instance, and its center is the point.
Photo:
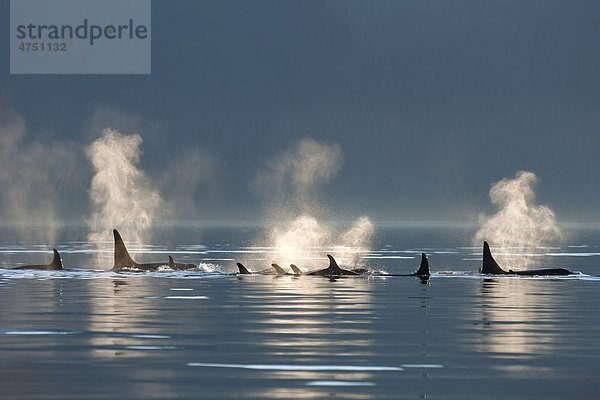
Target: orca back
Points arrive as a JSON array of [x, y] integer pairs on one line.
[[334, 269], [542, 272]]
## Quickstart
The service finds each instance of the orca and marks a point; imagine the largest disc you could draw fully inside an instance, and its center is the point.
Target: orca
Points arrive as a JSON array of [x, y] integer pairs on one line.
[[123, 260], [179, 266], [423, 267], [422, 272], [55, 265], [326, 272], [278, 269], [491, 267], [245, 271], [332, 270], [296, 270]]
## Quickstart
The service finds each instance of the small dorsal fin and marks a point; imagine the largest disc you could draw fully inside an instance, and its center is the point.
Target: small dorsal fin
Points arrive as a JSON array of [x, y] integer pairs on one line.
[[122, 257], [490, 266], [296, 270], [424, 267], [278, 269], [243, 270], [56, 261], [171, 263]]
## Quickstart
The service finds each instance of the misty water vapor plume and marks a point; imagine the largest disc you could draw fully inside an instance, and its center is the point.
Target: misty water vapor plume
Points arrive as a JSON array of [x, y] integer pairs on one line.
[[295, 176], [187, 181], [520, 225], [303, 241], [298, 231], [33, 178], [357, 240], [121, 195]]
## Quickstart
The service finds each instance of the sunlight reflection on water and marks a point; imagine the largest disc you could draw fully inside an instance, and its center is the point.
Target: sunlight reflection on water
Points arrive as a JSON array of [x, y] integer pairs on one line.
[[104, 334]]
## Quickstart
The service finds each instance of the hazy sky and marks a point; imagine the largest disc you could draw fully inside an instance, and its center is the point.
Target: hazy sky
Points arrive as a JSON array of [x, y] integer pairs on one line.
[[430, 101]]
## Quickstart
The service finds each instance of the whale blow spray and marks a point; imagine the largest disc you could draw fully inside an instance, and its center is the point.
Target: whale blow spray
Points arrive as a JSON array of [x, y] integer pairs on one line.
[[519, 224], [295, 233], [121, 195]]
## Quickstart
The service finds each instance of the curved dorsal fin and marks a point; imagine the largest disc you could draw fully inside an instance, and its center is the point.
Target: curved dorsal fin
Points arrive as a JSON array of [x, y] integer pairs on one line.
[[122, 258], [424, 267], [243, 270], [56, 261], [171, 262], [490, 266], [296, 270], [278, 269], [334, 268]]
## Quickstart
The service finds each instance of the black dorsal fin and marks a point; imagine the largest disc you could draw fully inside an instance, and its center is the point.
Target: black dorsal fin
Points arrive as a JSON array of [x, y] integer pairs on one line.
[[424, 267], [243, 270], [171, 263], [278, 269], [296, 270], [334, 268], [56, 261], [122, 258], [490, 266]]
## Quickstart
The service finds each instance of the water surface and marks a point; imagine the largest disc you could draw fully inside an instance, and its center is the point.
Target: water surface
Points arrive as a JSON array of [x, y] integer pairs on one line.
[[93, 333]]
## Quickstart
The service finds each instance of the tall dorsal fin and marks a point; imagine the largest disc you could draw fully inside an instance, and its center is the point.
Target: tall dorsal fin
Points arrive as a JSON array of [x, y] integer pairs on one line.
[[171, 263], [122, 258], [278, 269], [296, 270], [56, 261], [490, 266], [334, 268], [424, 267], [243, 270]]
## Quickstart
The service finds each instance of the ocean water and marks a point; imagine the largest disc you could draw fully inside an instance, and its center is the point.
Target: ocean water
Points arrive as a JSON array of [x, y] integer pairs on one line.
[[90, 333]]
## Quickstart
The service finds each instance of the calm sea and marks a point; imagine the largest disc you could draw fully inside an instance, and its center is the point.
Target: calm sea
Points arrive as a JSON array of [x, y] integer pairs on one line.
[[95, 334]]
